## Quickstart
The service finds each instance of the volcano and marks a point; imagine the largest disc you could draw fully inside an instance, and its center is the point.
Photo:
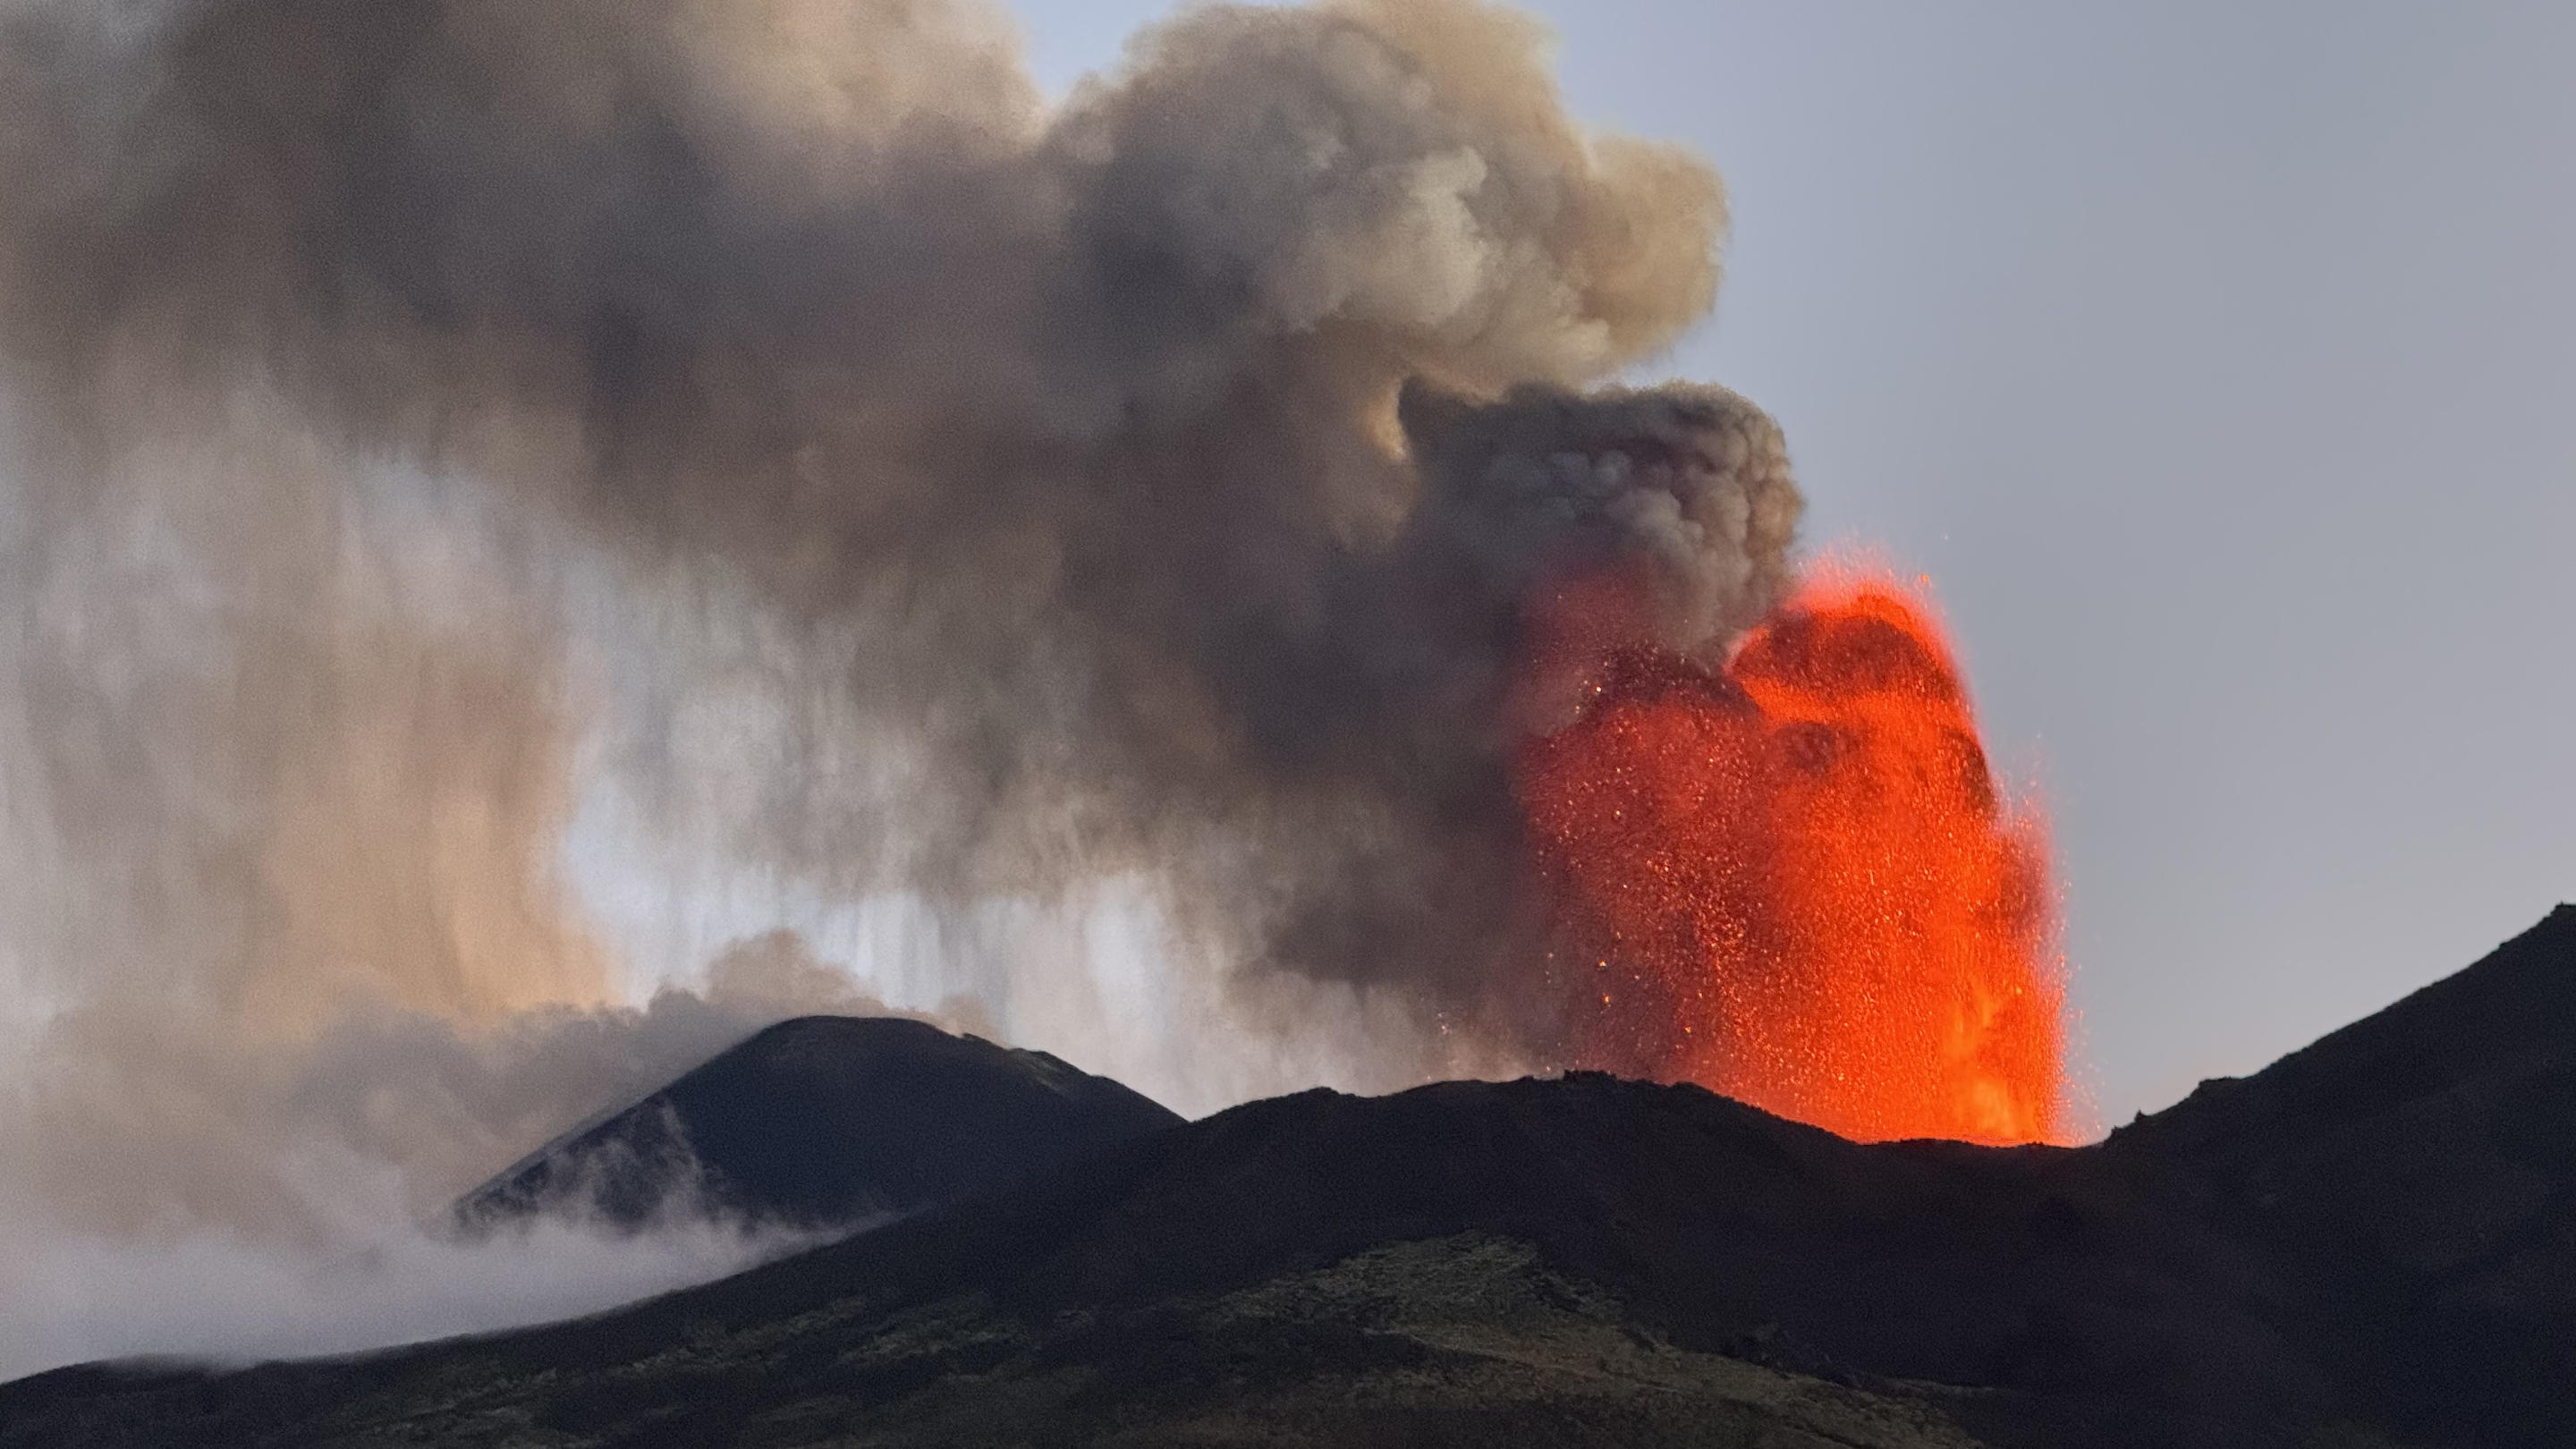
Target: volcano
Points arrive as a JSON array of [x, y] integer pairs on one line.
[[820, 1122], [2372, 1243]]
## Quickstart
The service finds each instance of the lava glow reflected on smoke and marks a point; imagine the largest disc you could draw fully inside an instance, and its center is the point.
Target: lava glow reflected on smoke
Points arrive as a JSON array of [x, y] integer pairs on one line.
[[1794, 880]]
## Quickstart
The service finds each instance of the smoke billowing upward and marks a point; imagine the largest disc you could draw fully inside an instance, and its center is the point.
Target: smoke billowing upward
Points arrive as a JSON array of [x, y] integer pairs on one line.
[[1138, 434], [1147, 491]]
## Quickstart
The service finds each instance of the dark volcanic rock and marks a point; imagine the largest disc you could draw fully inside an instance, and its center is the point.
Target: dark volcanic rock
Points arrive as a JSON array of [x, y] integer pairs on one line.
[[2370, 1245], [823, 1121], [2412, 1180]]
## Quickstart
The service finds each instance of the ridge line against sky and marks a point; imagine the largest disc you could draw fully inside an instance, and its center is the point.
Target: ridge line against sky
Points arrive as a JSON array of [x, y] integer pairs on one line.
[[2210, 357]]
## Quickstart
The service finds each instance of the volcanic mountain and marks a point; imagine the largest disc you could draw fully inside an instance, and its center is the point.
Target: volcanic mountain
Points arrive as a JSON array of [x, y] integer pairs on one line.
[[2370, 1244], [819, 1122]]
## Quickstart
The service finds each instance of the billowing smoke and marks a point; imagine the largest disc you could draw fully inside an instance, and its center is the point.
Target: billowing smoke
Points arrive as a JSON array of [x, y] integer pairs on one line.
[[434, 418]]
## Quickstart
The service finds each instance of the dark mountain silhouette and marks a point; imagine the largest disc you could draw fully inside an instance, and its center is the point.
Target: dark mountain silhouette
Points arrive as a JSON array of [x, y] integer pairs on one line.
[[823, 1121], [2370, 1244], [2410, 1181]]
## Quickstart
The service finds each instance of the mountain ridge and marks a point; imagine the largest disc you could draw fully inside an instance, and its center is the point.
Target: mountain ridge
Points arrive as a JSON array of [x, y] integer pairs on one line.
[[820, 1122], [1580, 1260]]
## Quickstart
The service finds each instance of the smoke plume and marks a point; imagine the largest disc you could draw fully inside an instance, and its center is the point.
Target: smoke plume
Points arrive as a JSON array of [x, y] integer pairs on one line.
[[434, 418]]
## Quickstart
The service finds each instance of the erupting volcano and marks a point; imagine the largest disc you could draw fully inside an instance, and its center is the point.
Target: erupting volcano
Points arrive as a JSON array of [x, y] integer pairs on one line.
[[1794, 880]]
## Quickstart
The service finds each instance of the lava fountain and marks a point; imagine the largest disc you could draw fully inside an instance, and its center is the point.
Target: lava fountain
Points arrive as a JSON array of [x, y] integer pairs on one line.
[[1793, 879]]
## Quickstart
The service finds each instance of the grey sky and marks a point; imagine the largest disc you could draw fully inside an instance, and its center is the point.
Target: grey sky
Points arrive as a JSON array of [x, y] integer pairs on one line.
[[2214, 358]]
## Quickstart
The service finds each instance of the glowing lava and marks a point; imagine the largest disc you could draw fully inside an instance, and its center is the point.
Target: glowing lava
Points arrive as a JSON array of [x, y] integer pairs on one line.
[[1795, 882]]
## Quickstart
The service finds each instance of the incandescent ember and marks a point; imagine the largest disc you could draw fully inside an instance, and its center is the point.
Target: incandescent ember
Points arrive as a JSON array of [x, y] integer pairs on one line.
[[1793, 879]]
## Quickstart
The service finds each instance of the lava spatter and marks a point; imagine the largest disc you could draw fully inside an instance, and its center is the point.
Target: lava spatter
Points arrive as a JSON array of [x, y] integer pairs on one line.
[[1794, 880]]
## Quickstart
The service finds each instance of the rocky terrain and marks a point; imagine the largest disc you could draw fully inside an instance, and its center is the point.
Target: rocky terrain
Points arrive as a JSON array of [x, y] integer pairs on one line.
[[2370, 1244], [819, 1122]]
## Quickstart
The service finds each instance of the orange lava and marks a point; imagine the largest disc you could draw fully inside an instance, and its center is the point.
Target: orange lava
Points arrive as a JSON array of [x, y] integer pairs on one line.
[[1795, 882]]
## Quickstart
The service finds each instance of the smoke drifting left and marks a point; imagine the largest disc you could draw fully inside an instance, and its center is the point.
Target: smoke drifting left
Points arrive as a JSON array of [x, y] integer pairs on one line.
[[430, 414], [1130, 442]]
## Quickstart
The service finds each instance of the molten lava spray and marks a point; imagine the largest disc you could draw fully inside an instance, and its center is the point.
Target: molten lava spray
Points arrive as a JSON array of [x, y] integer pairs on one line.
[[1795, 879]]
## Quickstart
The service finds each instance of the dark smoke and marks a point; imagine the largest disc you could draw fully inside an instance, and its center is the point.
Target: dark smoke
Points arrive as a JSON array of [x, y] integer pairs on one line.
[[1091, 417], [1144, 493]]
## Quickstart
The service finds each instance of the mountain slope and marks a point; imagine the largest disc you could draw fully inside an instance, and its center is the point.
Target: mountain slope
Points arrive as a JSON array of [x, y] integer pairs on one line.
[[2412, 1177], [1595, 1262], [1468, 1342], [1701, 1225], [822, 1121]]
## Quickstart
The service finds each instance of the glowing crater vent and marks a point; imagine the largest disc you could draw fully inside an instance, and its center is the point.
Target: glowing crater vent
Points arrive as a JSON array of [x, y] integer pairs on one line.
[[1795, 882]]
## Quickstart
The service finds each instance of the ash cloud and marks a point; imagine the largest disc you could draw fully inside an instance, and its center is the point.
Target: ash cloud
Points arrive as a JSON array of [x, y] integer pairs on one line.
[[1008, 501], [177, 1183]]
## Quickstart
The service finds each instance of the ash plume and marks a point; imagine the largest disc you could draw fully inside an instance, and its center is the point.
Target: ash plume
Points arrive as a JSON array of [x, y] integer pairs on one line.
[[1144, 491]]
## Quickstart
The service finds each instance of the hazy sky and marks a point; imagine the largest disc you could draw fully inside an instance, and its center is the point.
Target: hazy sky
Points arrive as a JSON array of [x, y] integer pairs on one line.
[[2216, 360]]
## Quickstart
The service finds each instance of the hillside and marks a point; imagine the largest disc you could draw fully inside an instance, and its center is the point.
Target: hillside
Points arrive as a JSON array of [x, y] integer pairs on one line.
[[2411, 1179], [823, 1121], [2369, 1244]]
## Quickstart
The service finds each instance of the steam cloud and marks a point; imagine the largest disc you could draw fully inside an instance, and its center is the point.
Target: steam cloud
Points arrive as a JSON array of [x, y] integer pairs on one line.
[[432, 417]]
